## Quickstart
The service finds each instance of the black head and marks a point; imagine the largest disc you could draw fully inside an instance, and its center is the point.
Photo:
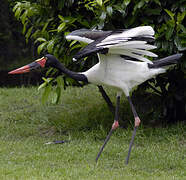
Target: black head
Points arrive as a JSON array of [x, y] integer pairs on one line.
[[51, 61]]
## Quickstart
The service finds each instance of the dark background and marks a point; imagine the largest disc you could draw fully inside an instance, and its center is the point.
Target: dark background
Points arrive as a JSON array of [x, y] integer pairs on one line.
[[14, 51]]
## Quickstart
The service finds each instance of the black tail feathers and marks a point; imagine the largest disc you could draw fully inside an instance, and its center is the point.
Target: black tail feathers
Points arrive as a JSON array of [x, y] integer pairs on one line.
[[173, 59]]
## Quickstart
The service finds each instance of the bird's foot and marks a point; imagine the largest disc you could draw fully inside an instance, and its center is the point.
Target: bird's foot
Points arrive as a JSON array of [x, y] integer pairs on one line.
[[137, 121], [115, 125]]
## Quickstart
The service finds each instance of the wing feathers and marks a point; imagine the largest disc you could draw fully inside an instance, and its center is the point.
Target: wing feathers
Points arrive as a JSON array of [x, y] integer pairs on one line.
[[138, 46], [86, 35], [144, 52], [129, 53], [132, 50], [122, 44], [134, 32], [131, 42], [79, 38]]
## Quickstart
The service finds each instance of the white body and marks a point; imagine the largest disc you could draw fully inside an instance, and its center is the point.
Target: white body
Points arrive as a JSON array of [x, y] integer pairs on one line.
[[114, 70], [123, 74]]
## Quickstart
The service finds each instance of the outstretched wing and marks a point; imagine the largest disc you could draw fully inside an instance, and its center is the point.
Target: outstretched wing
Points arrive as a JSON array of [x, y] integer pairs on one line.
[[132, 43]]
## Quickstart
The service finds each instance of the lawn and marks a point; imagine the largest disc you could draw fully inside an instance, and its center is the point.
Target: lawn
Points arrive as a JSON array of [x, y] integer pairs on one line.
[[82, 117]]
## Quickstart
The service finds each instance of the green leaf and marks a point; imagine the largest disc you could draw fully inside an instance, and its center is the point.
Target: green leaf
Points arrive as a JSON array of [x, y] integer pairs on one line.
[[41, 47], [66, 33], [127, 2], [24, 27], [61, 27], [49, 71], [84, 23], [18, 4], [170, 14], [24, 17], [36, 34], [45, 26], [56, 96], [180, 17], [105, 1], [58, 91], [56, 50], [28, 33], [59, 81], [76, 46], [46, 93], [18, 12], [40, 39], [61, 17], [157, 2], [99, 2], [169, 33], [138, 6], [42, 86], [182, 28], [120, 9], [50, 46], [52, 30], [70, 20], [47, 80], [73, 42]]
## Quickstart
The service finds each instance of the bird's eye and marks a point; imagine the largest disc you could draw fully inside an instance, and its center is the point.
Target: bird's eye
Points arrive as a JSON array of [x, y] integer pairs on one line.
[[41, 59], [38, 59]]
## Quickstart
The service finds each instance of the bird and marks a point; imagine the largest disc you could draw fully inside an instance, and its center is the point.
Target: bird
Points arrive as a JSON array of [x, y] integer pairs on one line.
[[123, 64]]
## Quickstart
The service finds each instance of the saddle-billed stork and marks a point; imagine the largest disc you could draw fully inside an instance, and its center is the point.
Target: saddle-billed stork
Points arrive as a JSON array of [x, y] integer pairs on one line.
[[123, 64]]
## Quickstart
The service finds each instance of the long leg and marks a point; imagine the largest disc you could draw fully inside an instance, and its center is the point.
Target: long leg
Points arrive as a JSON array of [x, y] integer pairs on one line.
[[115, 125], [106, 98], [137, 122]]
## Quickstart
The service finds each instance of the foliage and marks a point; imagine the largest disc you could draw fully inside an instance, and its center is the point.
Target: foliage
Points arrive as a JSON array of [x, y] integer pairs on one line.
[[47, 23], [12, 42]]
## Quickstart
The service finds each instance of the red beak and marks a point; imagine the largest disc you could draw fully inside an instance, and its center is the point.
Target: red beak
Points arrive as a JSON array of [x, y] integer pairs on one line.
[[40, 63]]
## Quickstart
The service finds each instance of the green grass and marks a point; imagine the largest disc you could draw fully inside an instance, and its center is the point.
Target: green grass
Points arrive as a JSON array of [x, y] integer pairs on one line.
[[26, 124]]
